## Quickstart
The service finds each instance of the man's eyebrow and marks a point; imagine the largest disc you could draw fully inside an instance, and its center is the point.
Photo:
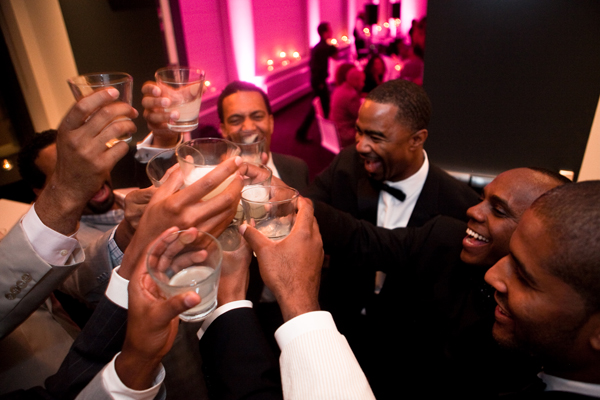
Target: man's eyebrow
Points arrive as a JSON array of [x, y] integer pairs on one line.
[[369, 132], [496, 200], [522, 271]]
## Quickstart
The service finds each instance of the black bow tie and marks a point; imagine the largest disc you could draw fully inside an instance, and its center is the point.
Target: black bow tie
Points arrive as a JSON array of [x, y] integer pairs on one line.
[[397, 193]]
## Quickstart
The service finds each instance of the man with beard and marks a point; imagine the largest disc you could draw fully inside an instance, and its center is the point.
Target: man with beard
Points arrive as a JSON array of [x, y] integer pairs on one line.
[[386, 180], [548, 291], [434, 315], [102, 243]]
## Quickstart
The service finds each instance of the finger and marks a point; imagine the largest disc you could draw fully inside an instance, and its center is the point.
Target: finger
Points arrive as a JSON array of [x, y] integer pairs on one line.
[[118, 113], [305, 216], [151, 88], [170, 185], [255, 239], [175, 305], [212, 180], [85, 107], [116, 129]]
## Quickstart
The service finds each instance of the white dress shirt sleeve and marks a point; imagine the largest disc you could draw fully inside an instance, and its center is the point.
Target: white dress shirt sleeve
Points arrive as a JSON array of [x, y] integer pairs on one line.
[[316, 361], [51, 246], [145, 151], [117, 289], [113, 385]]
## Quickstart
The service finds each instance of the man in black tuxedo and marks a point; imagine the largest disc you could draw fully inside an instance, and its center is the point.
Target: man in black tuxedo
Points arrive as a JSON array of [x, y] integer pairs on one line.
[[433, 312], [391, 130]]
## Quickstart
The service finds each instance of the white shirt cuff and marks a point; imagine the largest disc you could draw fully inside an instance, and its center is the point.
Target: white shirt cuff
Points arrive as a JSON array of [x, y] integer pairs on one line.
[[220, 311], [117, 289], [145, 151], [302, 324], [51, 246], [118, 391]]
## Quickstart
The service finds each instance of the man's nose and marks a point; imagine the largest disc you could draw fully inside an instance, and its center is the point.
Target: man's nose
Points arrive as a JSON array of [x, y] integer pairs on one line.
[[362, 143], [248, 125]]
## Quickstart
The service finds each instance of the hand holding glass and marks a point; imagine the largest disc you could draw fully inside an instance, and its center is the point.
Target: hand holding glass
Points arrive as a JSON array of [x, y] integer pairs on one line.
[[271, 209], [200, 156], [183, 86], [86, 84], [188, 261]]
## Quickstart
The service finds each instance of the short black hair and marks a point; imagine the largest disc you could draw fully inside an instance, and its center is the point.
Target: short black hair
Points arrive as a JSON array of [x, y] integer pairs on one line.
[[322, 28], [239, 86], [29, 171], [414, 106], [571, 215]]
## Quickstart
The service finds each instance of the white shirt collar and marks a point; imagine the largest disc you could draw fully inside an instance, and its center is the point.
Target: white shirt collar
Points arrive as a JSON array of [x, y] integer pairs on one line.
[[415, 182], [271, 165], [554, 383]]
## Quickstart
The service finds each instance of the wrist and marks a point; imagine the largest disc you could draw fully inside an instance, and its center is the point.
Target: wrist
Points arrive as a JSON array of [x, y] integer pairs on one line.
[[58, 210], [293, 306], [136, 370], [165, 140], [123, 234]]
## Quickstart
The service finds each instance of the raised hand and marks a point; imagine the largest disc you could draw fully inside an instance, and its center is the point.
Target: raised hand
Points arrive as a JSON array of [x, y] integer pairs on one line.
[[156, 116], [291, 267], [84, 160]]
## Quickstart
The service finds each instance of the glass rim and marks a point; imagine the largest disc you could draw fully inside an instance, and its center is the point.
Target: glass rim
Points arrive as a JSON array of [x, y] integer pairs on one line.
[[199, 71], [123, 77], [155, 278], [253, 187], [262, 139], [207, 140], [157, 155]]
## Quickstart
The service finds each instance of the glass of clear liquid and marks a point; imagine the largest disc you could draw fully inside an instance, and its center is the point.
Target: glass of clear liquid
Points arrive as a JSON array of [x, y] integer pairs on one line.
[[188, 261], [184, 87], [270, 209]]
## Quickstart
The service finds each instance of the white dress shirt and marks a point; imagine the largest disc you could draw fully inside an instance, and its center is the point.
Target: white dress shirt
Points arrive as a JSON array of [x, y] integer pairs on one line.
[[554, 383]]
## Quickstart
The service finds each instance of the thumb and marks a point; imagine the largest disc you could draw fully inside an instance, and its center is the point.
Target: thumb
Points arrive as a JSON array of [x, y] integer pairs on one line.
[[255, 239], [175, 305]]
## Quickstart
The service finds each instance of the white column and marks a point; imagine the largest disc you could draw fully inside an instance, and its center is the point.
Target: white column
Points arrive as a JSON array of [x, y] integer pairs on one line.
[[241, 26], [314, 18], [590, 167], [41, 52]]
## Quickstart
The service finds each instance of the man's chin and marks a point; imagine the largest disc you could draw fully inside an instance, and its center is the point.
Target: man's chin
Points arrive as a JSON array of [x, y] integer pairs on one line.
[[93, 207]]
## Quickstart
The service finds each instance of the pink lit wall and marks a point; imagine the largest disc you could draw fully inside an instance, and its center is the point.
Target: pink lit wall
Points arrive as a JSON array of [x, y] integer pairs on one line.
[[279, 26], [335, 12], [411, 9], [205, 39]]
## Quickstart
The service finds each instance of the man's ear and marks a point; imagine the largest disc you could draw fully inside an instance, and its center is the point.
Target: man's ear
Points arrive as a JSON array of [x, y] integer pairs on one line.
[[595, 337], [222, 129], [37, 191], [418, 138]]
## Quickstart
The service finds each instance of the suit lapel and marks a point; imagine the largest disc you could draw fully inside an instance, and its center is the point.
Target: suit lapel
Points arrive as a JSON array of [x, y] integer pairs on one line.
[[427, 203]]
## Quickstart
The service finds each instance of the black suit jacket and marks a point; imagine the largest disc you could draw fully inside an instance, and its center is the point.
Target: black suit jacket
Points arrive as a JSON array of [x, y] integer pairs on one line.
[[292, 170], [346, 186], [433, 318], [235, 357]]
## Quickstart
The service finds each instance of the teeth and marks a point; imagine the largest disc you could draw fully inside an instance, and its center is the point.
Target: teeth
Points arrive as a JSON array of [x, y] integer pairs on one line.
[[477, 236]]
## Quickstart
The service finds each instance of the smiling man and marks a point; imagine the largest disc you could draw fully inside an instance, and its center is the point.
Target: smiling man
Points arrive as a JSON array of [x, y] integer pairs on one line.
[[548, 290], [434, 312], [386, 180], [246, 116]]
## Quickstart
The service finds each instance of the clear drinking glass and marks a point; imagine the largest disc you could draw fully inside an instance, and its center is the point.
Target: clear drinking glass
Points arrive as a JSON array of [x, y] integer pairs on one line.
[[200, 156], [252, 152], [183, 86], [270, 209], [158, 166], [86, 84], [186, 261]]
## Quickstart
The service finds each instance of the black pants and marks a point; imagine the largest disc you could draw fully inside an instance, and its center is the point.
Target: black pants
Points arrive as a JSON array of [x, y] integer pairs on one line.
[[320, 90]]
